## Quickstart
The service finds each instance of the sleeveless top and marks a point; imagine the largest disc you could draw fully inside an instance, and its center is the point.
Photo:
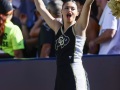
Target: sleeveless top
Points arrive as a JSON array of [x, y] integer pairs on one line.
[[68, 46]]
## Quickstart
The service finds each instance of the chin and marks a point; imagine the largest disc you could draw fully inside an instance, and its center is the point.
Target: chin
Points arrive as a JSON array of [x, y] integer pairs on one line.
[[69, 21]]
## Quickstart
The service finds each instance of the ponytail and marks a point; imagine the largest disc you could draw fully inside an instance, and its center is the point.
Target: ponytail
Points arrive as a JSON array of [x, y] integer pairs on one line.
[[2, 24]]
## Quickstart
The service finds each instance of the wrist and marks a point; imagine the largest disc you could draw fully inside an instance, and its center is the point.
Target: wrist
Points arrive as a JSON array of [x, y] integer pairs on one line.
[[95, 42]]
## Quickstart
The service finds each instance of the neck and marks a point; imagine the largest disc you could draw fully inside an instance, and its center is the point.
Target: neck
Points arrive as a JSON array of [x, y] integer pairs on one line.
[[67, 25]]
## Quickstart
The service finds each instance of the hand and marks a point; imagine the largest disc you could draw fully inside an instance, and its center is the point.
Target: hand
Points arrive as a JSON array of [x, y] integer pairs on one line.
[[23, 18], [1, 51], [91, 45]]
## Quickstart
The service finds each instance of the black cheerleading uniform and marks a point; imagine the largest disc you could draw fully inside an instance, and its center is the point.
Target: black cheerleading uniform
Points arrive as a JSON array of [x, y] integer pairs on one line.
[[70, 71]]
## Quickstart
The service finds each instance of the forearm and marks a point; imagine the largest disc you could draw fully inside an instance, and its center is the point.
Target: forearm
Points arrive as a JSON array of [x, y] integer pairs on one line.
[[39, 5], [25, 32], [101, 39], [36, 28], [45, 51], [94, 50], [105, 36], [85, 15], [31, 41]]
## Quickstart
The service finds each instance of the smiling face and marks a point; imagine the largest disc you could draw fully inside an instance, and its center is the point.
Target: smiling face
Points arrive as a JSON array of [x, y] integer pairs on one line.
[[69, 11]]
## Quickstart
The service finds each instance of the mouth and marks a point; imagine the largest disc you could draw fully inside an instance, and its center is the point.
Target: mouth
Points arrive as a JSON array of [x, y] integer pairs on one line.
[[69, 15]]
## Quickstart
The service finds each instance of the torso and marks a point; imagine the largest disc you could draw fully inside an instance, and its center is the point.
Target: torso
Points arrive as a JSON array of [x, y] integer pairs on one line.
[[65, 45], [12, 39]]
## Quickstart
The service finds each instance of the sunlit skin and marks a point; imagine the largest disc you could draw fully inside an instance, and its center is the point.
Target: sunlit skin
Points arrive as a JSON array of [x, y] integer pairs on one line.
[[69, 12], [79, 6]]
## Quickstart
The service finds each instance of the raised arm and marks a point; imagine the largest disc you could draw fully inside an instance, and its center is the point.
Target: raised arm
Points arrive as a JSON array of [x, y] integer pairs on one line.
[[83, 20], [50, 20]]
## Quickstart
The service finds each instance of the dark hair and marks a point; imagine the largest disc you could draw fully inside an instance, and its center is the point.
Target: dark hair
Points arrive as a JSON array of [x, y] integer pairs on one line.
[[75, 1], [80, 1], [5, 9], [65, 1], [94, 8], [2, 23], [5, 6]]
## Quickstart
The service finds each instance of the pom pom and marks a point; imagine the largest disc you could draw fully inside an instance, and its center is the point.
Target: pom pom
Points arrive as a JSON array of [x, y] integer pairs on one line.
[[114, 5]]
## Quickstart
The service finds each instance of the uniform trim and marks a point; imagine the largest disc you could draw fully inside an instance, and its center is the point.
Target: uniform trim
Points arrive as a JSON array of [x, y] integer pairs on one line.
[[73, 30]]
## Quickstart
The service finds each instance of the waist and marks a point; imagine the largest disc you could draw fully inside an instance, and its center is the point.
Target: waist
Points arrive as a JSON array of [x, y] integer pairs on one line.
[[68, 60]]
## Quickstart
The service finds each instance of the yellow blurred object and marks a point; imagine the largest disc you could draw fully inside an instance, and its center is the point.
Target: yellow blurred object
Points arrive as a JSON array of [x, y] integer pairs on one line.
[[114, 5], [117, 0]]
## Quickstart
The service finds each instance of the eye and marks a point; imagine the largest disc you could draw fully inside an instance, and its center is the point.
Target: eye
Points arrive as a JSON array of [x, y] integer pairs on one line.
[[66, 8], [72, 8]]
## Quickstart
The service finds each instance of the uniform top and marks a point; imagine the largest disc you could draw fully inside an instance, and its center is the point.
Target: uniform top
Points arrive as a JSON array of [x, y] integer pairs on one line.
[[68, 45]]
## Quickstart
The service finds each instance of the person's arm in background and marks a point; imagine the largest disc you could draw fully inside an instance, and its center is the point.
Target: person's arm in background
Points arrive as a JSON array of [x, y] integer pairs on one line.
[[45, 51], [36, 28], [108, 28], [91, 34], [46, 41], [26, 36], [107, 35], [23, 20]]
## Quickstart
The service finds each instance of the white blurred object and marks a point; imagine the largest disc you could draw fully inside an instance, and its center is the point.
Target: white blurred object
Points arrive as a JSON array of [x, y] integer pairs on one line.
[[114, 5], [1, 51], [16, 3]]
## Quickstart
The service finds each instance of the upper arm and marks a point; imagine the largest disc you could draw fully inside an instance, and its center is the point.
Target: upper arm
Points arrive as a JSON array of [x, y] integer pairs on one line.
[[50, 20], [92, 31], [110, 33], [45, 51], [36, 28], [85, 14]]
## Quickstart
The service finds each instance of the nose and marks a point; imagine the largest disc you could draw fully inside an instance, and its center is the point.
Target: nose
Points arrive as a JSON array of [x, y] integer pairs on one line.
[[69, 9]]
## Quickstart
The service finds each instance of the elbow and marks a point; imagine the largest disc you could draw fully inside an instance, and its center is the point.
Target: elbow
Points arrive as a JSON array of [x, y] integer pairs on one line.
[[18, 54], [111, 33]]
